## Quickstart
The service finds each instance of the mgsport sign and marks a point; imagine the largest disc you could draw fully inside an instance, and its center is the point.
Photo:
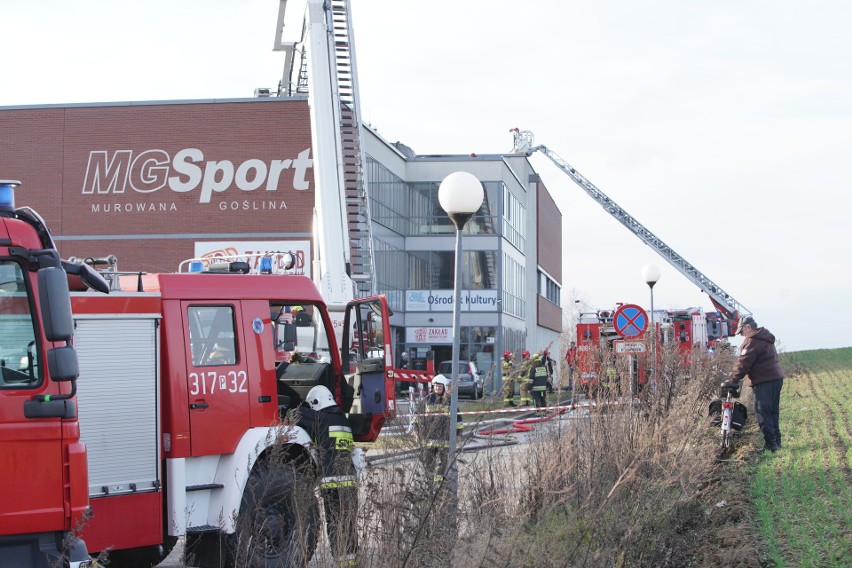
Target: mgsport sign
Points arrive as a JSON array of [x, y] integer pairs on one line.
[[149, 171]]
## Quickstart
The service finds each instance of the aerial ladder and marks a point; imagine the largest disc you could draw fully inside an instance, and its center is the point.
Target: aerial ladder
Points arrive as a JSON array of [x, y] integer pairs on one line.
[[731, 310], [321, 35]]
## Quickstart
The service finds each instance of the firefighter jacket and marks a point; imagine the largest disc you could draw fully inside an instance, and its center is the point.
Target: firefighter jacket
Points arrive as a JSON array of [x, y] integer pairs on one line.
[[758, 359], [526, 367], [507, 367], [331, 432], [433, 424], [538, 375]]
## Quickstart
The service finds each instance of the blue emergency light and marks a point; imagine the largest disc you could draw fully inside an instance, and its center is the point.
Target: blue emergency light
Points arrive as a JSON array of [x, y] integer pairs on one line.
[[7, 194], [196, 266], [266, 265]]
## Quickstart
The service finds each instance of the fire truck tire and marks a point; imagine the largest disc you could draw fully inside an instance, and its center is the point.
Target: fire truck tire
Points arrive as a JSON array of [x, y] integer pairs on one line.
[[143, 557], [278, 524]]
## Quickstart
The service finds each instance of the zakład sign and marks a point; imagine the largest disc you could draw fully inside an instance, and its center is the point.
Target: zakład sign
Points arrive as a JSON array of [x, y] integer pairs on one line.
[[442, 300]]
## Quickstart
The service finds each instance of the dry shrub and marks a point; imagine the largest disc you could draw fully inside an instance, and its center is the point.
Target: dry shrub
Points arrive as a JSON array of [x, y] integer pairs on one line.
[[621, 483]]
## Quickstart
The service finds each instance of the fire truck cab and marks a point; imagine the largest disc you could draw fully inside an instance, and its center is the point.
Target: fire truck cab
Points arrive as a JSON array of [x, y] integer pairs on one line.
[[43, 471]]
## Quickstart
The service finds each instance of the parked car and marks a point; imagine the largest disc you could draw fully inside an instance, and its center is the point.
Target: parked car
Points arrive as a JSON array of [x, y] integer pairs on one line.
[[471, 383]]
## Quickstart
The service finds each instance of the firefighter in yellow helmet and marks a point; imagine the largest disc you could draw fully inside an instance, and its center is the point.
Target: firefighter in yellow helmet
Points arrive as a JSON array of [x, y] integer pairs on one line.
[[538, 379], [433, 427], [524, 379], [508, 369]]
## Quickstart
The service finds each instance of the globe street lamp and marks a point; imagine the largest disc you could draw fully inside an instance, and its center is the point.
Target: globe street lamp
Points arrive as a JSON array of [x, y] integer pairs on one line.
[[460, 195], [651, 275]]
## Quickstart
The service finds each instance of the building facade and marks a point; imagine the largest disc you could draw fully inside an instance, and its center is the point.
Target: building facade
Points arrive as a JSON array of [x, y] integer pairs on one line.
[[155, 183], [512, 263]]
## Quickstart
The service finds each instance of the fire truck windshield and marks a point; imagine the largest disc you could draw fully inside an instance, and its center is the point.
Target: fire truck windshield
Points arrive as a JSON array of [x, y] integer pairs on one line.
[[18, 350]]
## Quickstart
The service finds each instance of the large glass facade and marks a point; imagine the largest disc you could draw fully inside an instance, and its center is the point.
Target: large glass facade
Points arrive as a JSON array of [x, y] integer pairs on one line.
[[389, 196], [412, 209]]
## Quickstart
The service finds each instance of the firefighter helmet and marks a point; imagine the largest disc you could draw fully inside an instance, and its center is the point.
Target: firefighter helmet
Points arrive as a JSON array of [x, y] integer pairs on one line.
[[441, 380], [545, 352], [507, 355], [320, 397], [525, 354]]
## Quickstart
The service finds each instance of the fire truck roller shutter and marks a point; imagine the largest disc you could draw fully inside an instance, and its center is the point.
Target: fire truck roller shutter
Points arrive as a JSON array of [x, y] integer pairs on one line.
[[118, 397]]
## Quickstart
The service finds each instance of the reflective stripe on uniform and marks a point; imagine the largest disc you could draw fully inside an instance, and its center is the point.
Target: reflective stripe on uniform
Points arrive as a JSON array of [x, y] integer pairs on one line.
[[336, 481]]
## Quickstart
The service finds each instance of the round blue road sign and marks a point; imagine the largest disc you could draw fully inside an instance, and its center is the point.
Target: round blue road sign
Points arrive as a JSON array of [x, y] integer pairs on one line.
[[630, 320]]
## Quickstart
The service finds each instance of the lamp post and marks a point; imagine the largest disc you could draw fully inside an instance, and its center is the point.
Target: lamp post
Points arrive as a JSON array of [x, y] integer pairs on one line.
[[460, 195], [651, 275]]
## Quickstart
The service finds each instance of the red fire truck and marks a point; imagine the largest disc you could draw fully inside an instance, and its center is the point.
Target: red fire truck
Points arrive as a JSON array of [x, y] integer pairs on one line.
[[602, 354], [687, 328], [598, 345], [185, 380]]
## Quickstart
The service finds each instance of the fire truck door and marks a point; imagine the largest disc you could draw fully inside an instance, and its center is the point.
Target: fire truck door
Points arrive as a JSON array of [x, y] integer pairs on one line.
[[217, 376], [30, 447]]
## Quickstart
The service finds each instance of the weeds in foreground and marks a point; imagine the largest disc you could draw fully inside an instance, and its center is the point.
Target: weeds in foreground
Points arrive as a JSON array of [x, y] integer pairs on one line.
[[621, 483]]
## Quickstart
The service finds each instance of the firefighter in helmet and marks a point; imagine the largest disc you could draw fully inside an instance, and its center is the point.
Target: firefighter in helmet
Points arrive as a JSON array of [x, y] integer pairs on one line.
[[550, 365], [331, 433], [524, 379], [508, 369], [538, 380], [433, 427]]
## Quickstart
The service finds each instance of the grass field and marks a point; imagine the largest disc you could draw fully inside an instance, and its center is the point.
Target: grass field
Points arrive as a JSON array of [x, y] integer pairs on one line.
[[803, 494]]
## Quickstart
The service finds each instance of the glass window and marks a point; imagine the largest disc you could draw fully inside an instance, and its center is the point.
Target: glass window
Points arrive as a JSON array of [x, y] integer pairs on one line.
[[427, 216], [18, 346], [514, 219], [514, 296], [300, 334], [548, 288], [212, 335], [435, 270]]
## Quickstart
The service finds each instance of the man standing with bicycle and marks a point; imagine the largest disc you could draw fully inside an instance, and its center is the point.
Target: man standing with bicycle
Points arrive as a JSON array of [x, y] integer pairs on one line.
[[758, 359]]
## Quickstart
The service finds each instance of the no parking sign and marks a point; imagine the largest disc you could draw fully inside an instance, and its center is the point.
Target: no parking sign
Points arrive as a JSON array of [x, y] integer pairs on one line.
[[630, 321]]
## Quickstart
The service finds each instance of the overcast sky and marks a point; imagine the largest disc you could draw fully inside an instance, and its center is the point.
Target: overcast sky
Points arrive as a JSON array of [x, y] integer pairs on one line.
[[724, 127]]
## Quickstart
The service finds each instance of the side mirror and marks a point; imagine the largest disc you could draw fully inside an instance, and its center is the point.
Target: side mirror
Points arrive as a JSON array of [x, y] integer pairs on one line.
[[290, 333], [62, 364], [88, 275], [55, 302]]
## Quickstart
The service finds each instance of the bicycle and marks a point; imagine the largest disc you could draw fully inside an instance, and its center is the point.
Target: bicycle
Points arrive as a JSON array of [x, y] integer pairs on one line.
[[729, 391]]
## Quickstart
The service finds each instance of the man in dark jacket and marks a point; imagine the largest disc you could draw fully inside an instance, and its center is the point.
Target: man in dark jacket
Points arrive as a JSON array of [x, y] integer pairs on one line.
[[758, 360]]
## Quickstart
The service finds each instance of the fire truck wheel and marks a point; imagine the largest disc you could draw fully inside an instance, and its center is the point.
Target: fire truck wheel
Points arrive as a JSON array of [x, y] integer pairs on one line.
[[278, 522], [144, 557]]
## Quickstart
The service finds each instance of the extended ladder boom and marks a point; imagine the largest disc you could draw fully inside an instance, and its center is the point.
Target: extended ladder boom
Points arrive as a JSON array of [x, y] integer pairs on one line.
[[723, 301]]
